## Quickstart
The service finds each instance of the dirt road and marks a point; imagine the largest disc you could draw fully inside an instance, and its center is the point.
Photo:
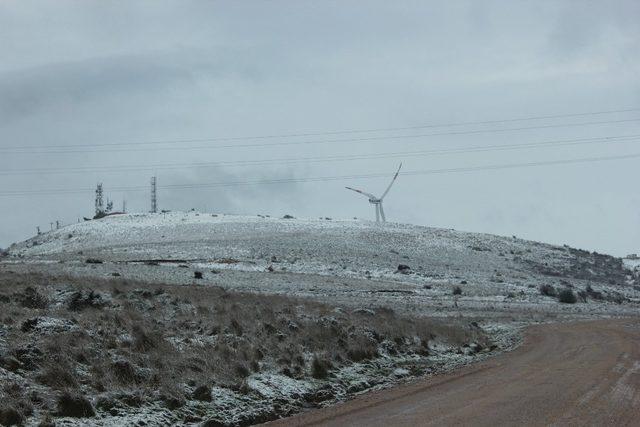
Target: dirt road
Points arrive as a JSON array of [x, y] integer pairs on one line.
[[574, 374]]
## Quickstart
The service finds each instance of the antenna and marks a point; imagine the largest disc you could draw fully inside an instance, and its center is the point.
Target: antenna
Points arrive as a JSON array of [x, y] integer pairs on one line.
[[377, 201], [99, 199], [154, 195]]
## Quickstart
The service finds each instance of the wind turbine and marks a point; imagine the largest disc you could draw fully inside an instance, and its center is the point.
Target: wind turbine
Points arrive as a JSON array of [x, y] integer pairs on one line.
[[377, 201]]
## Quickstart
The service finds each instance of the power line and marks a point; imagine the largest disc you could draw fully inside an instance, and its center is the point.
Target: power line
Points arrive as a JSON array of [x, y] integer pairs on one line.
[[634, 138], [87, 147], [339, 132], [334, 178]]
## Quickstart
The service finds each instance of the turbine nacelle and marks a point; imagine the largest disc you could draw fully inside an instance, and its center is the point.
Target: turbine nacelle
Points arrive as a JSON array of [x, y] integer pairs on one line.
[[377, 201]]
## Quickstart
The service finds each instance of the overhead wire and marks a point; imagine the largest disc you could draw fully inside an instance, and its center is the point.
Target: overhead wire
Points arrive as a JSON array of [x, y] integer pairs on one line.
[[333, 177], [618, 139], [87, 148]]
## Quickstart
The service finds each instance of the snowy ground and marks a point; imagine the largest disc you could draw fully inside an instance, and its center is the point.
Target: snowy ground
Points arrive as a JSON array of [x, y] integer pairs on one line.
[[353, 262], [357, 265]]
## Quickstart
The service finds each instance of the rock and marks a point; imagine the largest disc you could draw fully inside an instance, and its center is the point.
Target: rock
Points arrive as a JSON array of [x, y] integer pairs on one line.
[[197, 275], [74, 405], [288, 217], [400, 372], [202, 393], [94, 261]]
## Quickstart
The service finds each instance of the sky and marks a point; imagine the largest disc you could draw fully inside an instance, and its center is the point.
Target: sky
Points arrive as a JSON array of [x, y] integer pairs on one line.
[[212, 95]]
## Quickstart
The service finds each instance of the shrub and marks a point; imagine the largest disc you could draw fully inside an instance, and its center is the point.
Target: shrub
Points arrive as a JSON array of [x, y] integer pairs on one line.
[[457, 290], [548, 290], [593, 293], [144, 340], [58, 376], [33, 299], [358, 353], [74, 405], [124, 372], [319, 368], [567, 296], [202, 393], [81, 299], [10, 416]]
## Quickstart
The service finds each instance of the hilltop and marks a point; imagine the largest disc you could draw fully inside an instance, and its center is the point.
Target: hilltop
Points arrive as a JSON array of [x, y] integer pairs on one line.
[[357, 262]]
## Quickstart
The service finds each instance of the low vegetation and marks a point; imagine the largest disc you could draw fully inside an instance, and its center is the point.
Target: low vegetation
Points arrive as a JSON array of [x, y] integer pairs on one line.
[[567, 296], [72, 349], [548, 290]]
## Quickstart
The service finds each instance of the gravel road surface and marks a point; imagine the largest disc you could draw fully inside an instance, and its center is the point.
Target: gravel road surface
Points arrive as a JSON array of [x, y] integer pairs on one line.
[[575, 374]]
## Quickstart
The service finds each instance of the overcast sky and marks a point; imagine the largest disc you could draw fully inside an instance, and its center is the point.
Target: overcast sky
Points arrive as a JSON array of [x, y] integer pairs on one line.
[[95, 73]]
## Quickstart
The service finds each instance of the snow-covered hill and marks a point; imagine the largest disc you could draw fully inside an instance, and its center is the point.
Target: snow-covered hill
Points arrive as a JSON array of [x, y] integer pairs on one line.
[[363, 255]]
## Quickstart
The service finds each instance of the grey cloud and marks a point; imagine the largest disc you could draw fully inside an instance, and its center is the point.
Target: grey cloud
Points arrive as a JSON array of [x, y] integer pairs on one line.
[[89, 72]]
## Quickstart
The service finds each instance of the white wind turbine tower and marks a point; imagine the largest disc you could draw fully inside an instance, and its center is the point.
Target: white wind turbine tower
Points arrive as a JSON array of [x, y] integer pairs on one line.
[[377, 201]]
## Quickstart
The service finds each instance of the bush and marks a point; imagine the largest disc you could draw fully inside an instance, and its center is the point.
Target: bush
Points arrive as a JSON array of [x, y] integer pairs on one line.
[[202, 393], [593, 293], [33, 299], [359, 354], [457, 290], [58, 376], [81, 299], [73, 405], [319, 368], [548, 290], [10, 416], [567, 296]]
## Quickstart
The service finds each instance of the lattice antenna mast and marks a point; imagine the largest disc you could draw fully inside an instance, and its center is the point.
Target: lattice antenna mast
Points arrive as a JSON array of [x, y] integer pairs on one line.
[[154, 195], [99, 200]]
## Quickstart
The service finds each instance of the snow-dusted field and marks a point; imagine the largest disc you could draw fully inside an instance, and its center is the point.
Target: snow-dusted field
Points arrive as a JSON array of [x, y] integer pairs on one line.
[[355, 266], [352, 262]]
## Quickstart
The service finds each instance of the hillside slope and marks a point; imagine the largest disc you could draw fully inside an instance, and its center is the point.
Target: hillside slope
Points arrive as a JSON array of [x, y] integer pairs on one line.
[[150, 246]]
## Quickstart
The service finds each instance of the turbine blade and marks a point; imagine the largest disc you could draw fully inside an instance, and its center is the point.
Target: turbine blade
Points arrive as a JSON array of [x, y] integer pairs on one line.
[[392, 181], [384, 219], [371, 196]]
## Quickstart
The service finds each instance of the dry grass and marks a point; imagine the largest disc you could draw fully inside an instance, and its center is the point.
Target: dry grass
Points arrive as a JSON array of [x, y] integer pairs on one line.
[[164, 342]]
